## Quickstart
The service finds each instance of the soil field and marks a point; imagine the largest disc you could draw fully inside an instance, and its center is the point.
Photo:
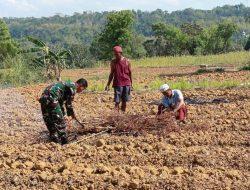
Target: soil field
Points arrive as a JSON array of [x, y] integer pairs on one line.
[[210, 151], [144, 78]]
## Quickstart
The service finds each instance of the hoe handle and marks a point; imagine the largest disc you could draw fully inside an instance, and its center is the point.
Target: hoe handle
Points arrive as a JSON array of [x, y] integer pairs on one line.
[[79, 122]]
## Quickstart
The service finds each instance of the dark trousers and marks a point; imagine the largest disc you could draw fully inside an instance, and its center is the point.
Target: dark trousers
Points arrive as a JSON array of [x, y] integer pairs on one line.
[[54, 120]]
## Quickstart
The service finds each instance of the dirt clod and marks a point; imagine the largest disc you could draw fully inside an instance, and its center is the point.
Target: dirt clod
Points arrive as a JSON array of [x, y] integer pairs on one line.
[[139, 151], [100, 143]]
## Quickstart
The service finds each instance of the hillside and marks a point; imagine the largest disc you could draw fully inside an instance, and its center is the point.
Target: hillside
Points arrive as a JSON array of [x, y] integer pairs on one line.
[[82, 27]]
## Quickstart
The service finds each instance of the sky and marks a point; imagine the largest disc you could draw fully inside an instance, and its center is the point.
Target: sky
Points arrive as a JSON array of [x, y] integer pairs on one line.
[[39, 8]]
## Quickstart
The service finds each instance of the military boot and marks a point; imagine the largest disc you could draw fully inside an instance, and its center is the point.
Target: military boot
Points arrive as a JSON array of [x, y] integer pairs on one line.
[[54, 137], [64, 139]]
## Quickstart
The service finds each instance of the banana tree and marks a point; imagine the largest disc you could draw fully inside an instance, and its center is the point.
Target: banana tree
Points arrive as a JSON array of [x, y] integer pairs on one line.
[[53, 62], [44, 49], [59, 61]]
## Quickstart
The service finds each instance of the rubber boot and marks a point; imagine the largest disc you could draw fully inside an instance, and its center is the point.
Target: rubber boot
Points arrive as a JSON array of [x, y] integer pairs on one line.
[[64, 139]]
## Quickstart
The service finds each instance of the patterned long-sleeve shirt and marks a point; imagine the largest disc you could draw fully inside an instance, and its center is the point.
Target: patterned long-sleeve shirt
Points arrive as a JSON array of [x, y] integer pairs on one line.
[[60, 93]]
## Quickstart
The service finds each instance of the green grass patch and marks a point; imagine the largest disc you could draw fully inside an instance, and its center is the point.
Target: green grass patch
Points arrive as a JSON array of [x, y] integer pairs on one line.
[[217, 84], [182, 84], [19, 73], [187, 85], [97, 86], [233, 58], [246, 67], [218, 70]]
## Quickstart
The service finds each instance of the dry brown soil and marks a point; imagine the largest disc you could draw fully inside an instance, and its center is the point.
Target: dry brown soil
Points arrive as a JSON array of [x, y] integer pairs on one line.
[[215, 158]]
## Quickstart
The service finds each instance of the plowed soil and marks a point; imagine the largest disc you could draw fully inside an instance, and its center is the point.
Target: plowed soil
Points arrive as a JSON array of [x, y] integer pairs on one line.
[[210, 151]]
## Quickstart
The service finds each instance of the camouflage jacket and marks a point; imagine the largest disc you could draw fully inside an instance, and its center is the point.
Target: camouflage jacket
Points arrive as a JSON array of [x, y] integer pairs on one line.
[[58, 94]]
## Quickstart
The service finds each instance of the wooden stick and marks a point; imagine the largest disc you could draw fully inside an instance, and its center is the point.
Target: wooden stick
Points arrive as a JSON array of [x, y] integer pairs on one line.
[[91, 136], [79, 123]]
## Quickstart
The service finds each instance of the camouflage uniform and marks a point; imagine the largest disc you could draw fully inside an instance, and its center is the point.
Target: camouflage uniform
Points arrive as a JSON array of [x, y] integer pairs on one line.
[[52, 100]]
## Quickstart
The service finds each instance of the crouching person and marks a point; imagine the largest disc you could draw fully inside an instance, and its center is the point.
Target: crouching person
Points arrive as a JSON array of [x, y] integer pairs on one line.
[[52, 105], [173, 101]]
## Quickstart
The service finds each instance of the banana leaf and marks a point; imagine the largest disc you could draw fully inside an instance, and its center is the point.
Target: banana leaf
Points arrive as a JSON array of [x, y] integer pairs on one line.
[[37, 42]]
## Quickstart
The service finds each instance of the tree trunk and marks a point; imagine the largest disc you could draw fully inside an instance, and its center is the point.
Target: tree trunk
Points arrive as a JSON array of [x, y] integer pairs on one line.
[[58, 77]]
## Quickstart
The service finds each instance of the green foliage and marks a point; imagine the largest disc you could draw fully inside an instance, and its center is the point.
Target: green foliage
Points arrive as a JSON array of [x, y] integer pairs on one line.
[[149, 46], [247, 46], [45, 57], [117, 31], [188, 31], [81, 56], [19, 73], [135, 47], [83, 27], [7, 45], [216, 39], [201, 71], [233, 58], [42, 54], [186, 85], [220, 70], [169, 40], [225, 31], [246, 67], [191, 38], [192, 31], [58, 61]]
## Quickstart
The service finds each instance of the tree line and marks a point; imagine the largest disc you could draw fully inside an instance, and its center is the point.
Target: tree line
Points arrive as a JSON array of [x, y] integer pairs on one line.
[[82, 39]]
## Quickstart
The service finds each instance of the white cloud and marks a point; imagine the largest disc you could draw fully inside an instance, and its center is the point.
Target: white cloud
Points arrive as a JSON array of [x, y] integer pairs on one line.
[[38, 8], [133, 4], [58, 2], [169, 2], [23, 5]]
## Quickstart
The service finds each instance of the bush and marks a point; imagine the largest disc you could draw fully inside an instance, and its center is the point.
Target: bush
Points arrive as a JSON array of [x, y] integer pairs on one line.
[[201, 71], [19, 73], [246, 67]]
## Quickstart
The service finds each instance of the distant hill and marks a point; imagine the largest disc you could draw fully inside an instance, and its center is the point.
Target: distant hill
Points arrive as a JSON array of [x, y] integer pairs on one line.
[[82, 27]]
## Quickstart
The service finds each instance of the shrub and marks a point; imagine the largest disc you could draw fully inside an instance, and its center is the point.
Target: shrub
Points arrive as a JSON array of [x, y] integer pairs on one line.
[[19, 73], [246, 67]]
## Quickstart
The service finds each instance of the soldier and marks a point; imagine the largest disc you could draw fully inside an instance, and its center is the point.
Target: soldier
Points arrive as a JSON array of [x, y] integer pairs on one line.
[[52, 105]]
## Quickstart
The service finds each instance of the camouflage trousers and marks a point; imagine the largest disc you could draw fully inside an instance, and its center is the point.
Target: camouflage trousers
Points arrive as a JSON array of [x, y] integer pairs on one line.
[[55, 122]]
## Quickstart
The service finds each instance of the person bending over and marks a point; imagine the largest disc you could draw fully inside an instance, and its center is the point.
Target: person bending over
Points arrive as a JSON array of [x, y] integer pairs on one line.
[[172, 100], [52, 103]]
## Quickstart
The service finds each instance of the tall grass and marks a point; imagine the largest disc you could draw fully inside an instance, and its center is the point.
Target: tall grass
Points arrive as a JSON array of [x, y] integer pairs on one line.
[[233, 58], [17, 72], [237, 59]]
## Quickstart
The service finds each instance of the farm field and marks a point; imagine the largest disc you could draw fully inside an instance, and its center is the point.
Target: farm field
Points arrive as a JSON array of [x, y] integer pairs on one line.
[[210, 151]]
